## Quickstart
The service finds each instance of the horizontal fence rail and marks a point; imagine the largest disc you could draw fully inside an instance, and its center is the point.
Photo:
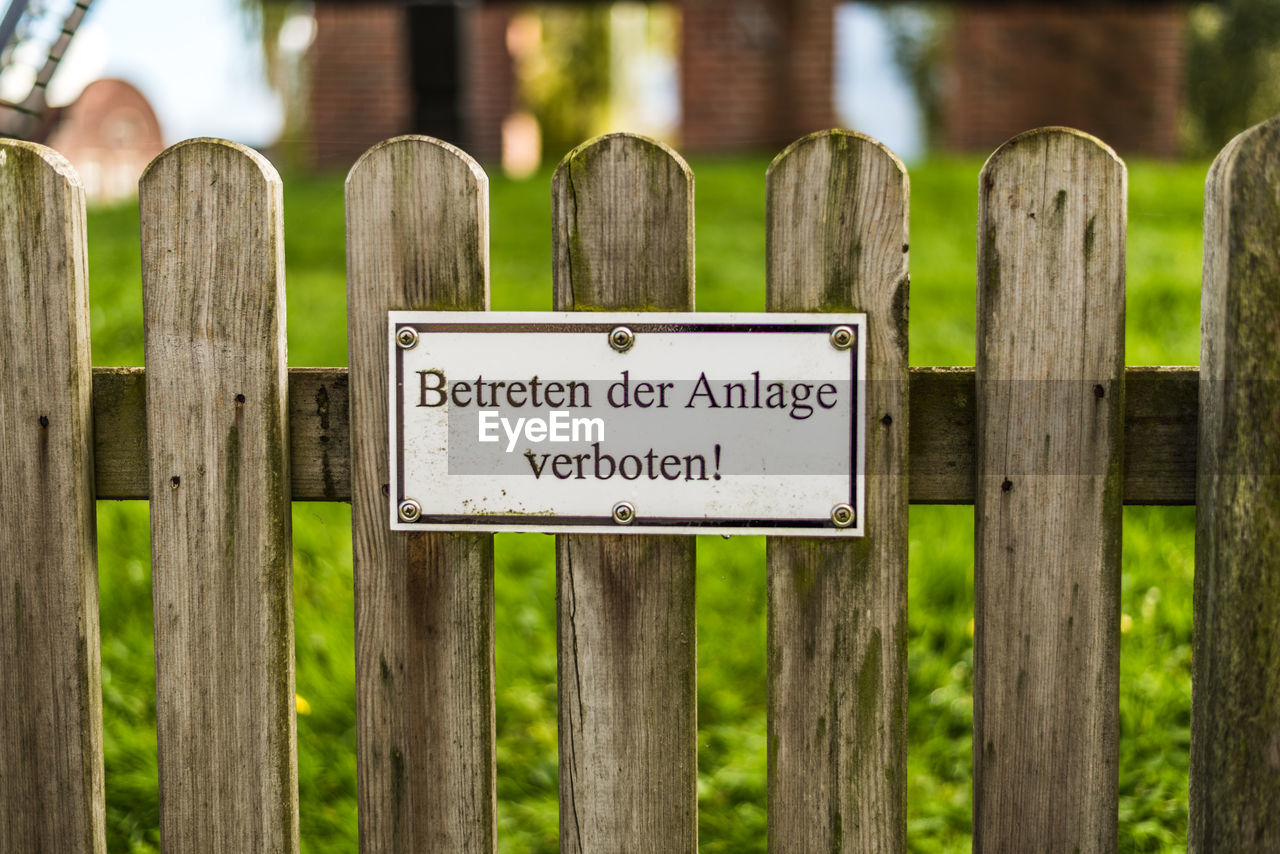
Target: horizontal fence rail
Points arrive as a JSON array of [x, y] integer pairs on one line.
[[1159, 434], [1046, 437]]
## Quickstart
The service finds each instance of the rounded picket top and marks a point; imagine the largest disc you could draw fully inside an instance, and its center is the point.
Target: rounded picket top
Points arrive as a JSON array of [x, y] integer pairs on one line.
[[1250, 140], [418, 226], [1081, 217], [212, 154], [1240, 212], [42, 226], [1054, 138], [21, 160], [836, 227], [35, 175], [614, 199], [832, 144], [413, 156], [197, 199], [1239, 193], [620, 148], [1254, 154]]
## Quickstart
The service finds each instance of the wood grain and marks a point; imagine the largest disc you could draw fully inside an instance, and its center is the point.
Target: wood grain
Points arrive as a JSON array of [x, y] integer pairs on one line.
[[121, 460], [1050, 407], [214, 316], [837, 635], [1159, 429], [51, 777], [319, 434], [417, 238], [1235, 696], [622, 219]]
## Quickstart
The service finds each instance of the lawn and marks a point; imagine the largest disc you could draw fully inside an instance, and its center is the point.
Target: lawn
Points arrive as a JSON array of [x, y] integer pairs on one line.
[[1163, 321]]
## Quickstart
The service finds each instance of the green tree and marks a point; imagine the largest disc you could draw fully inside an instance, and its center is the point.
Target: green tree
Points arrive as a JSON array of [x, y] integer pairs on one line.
[[918, 35], [1233, 70], [264, 20], [566, 80]]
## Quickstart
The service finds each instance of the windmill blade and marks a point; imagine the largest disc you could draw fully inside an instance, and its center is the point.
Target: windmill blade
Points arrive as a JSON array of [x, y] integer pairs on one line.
[[20, 118], [9, 23]]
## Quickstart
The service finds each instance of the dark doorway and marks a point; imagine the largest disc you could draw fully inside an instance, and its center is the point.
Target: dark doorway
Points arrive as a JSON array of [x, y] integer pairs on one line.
[[436, 71]]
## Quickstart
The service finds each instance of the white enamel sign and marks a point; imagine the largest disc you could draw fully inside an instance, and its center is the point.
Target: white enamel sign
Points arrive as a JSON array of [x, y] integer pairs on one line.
[[615, 423]]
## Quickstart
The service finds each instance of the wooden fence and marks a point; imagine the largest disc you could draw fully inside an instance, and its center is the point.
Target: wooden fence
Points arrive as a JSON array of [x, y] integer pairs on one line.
[[1047, 438]]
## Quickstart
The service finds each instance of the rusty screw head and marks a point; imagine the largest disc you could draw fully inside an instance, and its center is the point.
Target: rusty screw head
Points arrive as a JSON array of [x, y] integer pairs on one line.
[[621, 339], [624, 513], [843, 337], [842, 515], [407, 337], [409, 510]]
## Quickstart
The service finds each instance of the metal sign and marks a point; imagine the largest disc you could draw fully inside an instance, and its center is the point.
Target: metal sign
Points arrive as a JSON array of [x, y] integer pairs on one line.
[[610, 423]]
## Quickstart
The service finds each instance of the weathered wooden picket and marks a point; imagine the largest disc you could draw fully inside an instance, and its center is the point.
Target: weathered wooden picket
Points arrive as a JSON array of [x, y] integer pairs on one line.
[[1048, 437]]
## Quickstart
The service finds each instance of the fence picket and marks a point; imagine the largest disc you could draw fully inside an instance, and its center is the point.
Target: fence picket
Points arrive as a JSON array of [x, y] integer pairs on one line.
[[51, 777], [214, 315], [1235, 697], [837, 241], [417, 238], [622, 218], [1050, 406]]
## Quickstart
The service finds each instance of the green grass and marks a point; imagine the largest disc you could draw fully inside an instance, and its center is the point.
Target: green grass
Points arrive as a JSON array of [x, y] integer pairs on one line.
[[1164, 264]]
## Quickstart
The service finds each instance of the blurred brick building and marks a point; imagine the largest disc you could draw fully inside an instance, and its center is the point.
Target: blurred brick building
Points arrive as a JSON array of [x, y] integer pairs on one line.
[[1114, 70], [380, 69], [110, 134], [754, 74]]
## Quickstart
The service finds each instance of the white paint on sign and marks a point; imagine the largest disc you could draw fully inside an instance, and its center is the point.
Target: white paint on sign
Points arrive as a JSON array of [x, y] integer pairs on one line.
[[698, 423]]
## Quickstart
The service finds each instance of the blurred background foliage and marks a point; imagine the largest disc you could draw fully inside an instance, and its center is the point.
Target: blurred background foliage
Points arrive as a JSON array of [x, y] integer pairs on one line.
[[1233, 70], [1232, 74], [564, 74], [918, 36]]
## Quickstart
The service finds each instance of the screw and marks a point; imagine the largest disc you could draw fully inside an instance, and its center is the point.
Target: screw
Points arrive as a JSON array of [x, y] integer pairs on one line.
[[621, 339], [407, 337], [410, 510], [842, 515], [842, 337], [624, 513]]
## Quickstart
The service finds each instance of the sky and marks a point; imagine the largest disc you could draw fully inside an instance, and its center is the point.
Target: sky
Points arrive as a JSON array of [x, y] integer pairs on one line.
[[871, 95], [195, 60], [199, 64]]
